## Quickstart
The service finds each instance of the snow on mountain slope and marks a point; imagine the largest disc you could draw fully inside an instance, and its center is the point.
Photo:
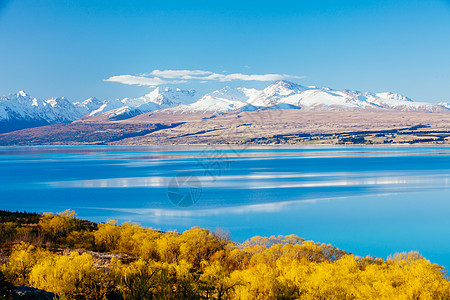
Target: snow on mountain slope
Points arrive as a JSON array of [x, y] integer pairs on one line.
[[21, 106], [108, 105], [20, 110], [239, 94], [159, 98], [89, 105], [325, 100], [275, 92], [61, 110], [309, 98], [167, 97], [209, 103], [287, 95], [445, 105], [314, 98], [402, 103], [392, 96], [223, 100]]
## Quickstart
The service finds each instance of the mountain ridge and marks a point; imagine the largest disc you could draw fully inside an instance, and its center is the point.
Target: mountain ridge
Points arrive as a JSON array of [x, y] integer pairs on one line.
[[20, 110]]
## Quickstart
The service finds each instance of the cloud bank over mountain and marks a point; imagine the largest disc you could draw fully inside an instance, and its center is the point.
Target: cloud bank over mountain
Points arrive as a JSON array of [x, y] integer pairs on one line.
[[161, 77]]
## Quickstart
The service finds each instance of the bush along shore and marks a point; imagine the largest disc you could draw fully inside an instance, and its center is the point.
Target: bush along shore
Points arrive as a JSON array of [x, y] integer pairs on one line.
[[58, 255]]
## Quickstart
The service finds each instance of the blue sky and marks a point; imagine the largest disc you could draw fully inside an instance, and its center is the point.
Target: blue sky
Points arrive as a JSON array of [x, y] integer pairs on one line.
[[68, 48]]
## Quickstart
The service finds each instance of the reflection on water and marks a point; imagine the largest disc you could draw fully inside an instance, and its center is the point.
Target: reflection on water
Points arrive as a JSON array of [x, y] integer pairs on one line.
[[368, 200], [272, 181]]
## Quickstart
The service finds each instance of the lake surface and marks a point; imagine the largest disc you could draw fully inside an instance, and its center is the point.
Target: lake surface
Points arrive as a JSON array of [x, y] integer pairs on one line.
[[365, 200]]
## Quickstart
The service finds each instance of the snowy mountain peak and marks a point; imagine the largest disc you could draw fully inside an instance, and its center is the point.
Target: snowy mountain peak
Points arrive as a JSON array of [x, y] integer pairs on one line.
[[20, 108], [22, 94], [284, 85], [159, 98], [393, 96], [239, 94], [89, 105], [283, 88], [90, 102], [278, 90], [59, 101], [209, 104], [92, 99], [316, 98], [169, 97]]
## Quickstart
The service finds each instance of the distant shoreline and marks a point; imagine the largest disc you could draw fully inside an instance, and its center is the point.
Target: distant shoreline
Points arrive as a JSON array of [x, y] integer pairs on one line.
[[292, 127]]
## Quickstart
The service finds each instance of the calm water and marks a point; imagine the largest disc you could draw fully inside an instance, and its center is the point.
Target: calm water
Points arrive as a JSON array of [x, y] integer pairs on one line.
[[366, 200]]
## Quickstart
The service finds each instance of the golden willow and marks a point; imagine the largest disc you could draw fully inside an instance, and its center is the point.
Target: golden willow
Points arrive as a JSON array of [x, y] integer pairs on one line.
[[199, 264]]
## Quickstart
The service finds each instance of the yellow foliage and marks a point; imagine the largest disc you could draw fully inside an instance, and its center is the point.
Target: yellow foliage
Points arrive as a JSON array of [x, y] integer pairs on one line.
[[215, 280], [68, 276], [59, 225], [140, 279], [129, 238], [186, 286], [107, 236], [197, 244], [23, 258], [259, 282], [168, 247], [199, 264]]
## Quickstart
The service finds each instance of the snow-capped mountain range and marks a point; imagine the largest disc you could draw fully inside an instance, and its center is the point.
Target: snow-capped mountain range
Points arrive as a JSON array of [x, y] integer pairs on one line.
[[159, 98], [21, 110]]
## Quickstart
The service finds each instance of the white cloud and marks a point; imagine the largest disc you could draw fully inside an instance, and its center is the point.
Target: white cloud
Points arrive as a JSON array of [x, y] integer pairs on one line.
[[160, 77], [141, 80], [183, 74], [138, 80]]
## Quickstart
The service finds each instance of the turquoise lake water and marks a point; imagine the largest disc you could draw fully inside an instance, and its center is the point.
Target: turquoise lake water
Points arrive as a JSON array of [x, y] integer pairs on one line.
[[365, 200]]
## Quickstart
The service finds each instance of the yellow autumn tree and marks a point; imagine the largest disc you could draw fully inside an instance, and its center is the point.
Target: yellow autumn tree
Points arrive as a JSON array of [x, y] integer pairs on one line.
[[168, 247], [215, 281], [23, 258], [140, 280], [197, 244], [107, 236], [59, 225], [73, 276], [199, 264], [185, 280]]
